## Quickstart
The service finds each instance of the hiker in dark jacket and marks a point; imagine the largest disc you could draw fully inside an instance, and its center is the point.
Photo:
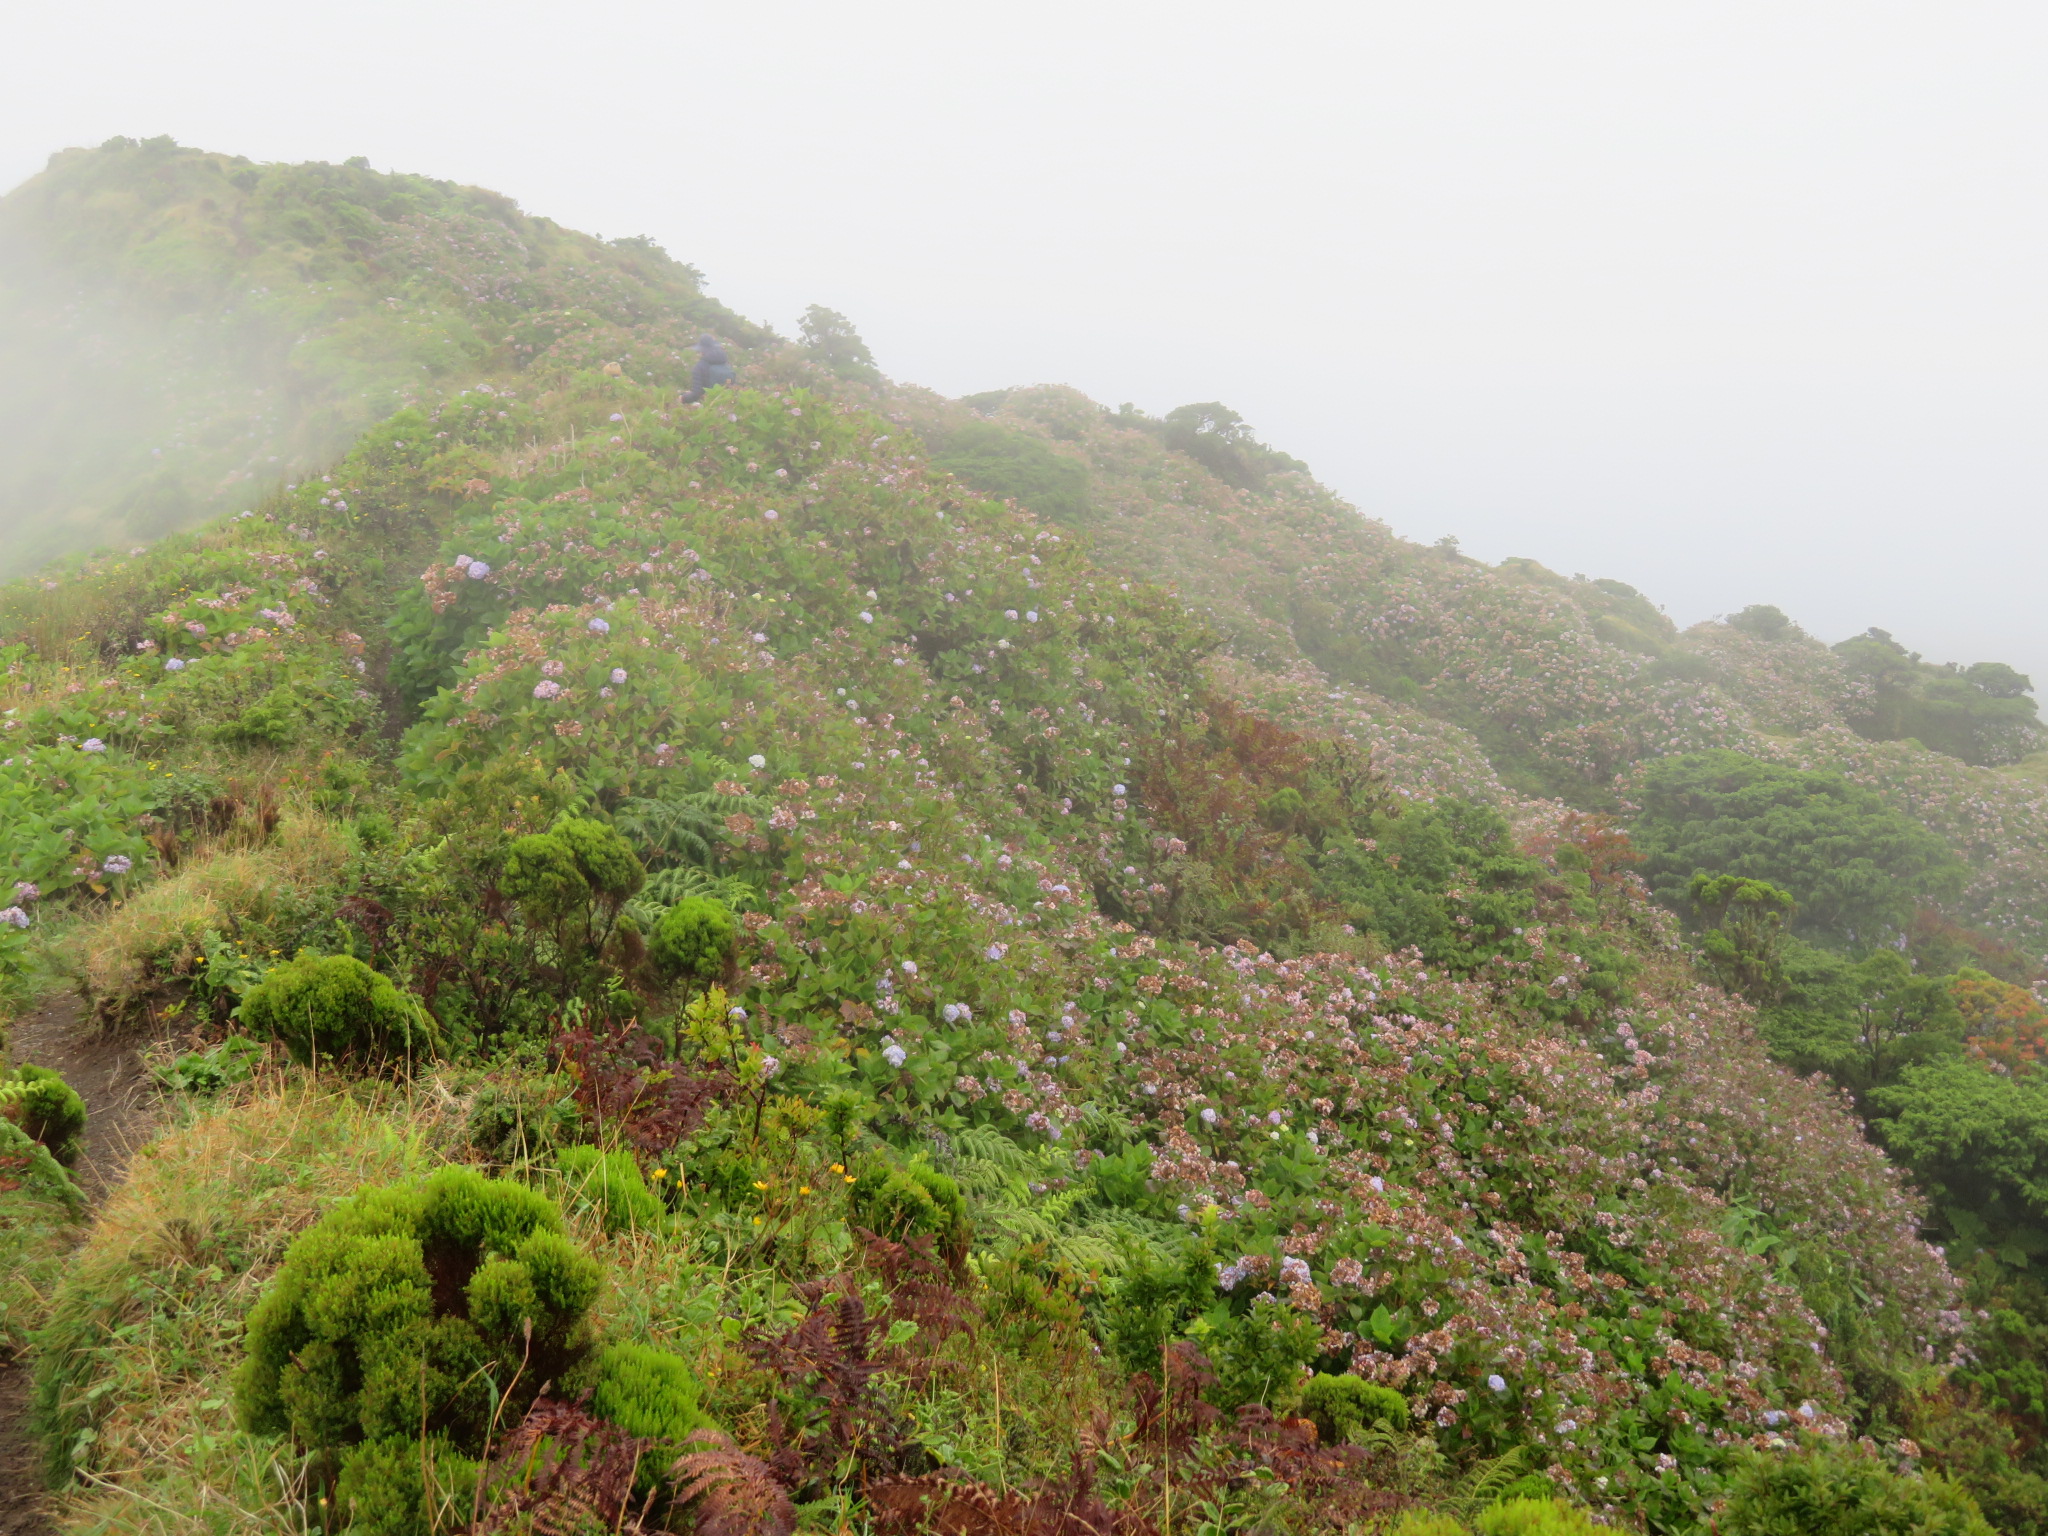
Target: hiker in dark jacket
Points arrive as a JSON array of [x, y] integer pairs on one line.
[[712, 368]]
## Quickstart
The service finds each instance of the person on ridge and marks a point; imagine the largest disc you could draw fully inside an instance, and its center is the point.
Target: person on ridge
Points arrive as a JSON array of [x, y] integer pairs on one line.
[[712, 368]]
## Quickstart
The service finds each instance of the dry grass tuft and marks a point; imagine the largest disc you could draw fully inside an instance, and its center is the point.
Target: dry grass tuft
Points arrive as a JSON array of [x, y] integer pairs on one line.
[[159, 934]]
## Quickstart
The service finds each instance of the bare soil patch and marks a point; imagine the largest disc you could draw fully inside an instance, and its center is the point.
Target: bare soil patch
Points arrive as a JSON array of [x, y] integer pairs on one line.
[[121, 1111]]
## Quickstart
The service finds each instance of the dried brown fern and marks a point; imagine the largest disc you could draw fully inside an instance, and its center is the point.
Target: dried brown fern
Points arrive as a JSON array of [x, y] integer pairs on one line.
[[734, 1494], [629, 1090], [1173, 1414], [558, 1472]]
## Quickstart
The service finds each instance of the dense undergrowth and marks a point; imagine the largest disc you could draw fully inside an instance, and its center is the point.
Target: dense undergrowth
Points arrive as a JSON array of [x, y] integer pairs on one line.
[[708, 974]]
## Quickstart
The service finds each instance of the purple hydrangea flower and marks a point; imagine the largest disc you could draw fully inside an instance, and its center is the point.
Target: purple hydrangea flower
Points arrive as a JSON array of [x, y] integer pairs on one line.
[[118, 864], [92, 744], [478, 570], [599, 627], [14, 917], [547, 688]]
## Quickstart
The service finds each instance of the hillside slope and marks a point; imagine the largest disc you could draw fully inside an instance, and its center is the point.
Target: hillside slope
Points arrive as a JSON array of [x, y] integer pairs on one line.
[[1018, 948]]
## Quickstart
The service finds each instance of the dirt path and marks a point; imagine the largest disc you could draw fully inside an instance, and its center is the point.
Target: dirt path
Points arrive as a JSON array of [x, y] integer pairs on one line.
[[120, 1110]]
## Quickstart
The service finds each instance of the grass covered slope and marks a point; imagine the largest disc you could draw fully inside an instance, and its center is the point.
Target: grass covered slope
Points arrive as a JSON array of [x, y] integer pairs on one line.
[[180, 332], [975, 1036], [1169, 1029]]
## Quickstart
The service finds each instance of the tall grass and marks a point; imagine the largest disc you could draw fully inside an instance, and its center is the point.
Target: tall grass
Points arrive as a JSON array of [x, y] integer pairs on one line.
[[160, 933]]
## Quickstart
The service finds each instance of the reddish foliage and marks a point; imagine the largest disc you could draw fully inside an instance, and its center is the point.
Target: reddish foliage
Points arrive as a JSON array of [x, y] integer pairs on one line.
[[735, 1494], [628, 1089], [558, 1472], [948, 1505], [1608, 851], [1213, 785], [1175, 1415]]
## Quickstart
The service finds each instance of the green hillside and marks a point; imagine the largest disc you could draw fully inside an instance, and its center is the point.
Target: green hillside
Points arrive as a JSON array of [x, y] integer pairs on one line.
[[840, 959], [182, 332]]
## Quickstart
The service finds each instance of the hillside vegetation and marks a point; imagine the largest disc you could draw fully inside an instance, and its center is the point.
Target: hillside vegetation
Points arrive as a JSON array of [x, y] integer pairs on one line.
[[838, 959]]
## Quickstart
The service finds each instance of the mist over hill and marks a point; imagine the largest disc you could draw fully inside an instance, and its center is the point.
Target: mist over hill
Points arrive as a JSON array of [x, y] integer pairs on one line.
[[181, 332], [825, 911]]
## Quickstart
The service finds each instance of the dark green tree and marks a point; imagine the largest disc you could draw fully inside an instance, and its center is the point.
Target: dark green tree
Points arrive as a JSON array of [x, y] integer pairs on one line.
[[830, 339], [1979, 713], [1744, 944], [1856, 867]]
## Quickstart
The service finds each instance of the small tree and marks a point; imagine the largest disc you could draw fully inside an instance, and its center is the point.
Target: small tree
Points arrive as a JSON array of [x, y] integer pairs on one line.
[[693, 942], [1745, 942], [830, 338], [572, 882]]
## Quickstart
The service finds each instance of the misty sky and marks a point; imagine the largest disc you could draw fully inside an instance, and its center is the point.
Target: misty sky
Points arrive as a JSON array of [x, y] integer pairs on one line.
[[1736, 302]]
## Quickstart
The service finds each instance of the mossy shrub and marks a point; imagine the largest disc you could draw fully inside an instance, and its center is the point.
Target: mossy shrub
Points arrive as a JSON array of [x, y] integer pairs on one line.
[[901, 1201], [606, 860], [1339, 1406], [337, 1007], [403, 1487], [1824, 1489], [611, 1185], [693, 942], [650, 1393], [426, 1311], [47, 1108]]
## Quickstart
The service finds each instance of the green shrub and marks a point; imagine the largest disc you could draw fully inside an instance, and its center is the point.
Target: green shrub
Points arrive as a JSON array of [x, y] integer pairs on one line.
[[1824, 1489], [406, 1310], [554, 875], [1510, 1517], [647, 1391], [610, 1183], [913, 1199], [273, 721], [693, 942], [217, 1067], [399, 1487], [541, 875], [606, 860], [1261, 1356], [1417, 1523], [650, 1393], [47, 1108], [1153, 1301], [337, 1007], [1341, 1405]]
